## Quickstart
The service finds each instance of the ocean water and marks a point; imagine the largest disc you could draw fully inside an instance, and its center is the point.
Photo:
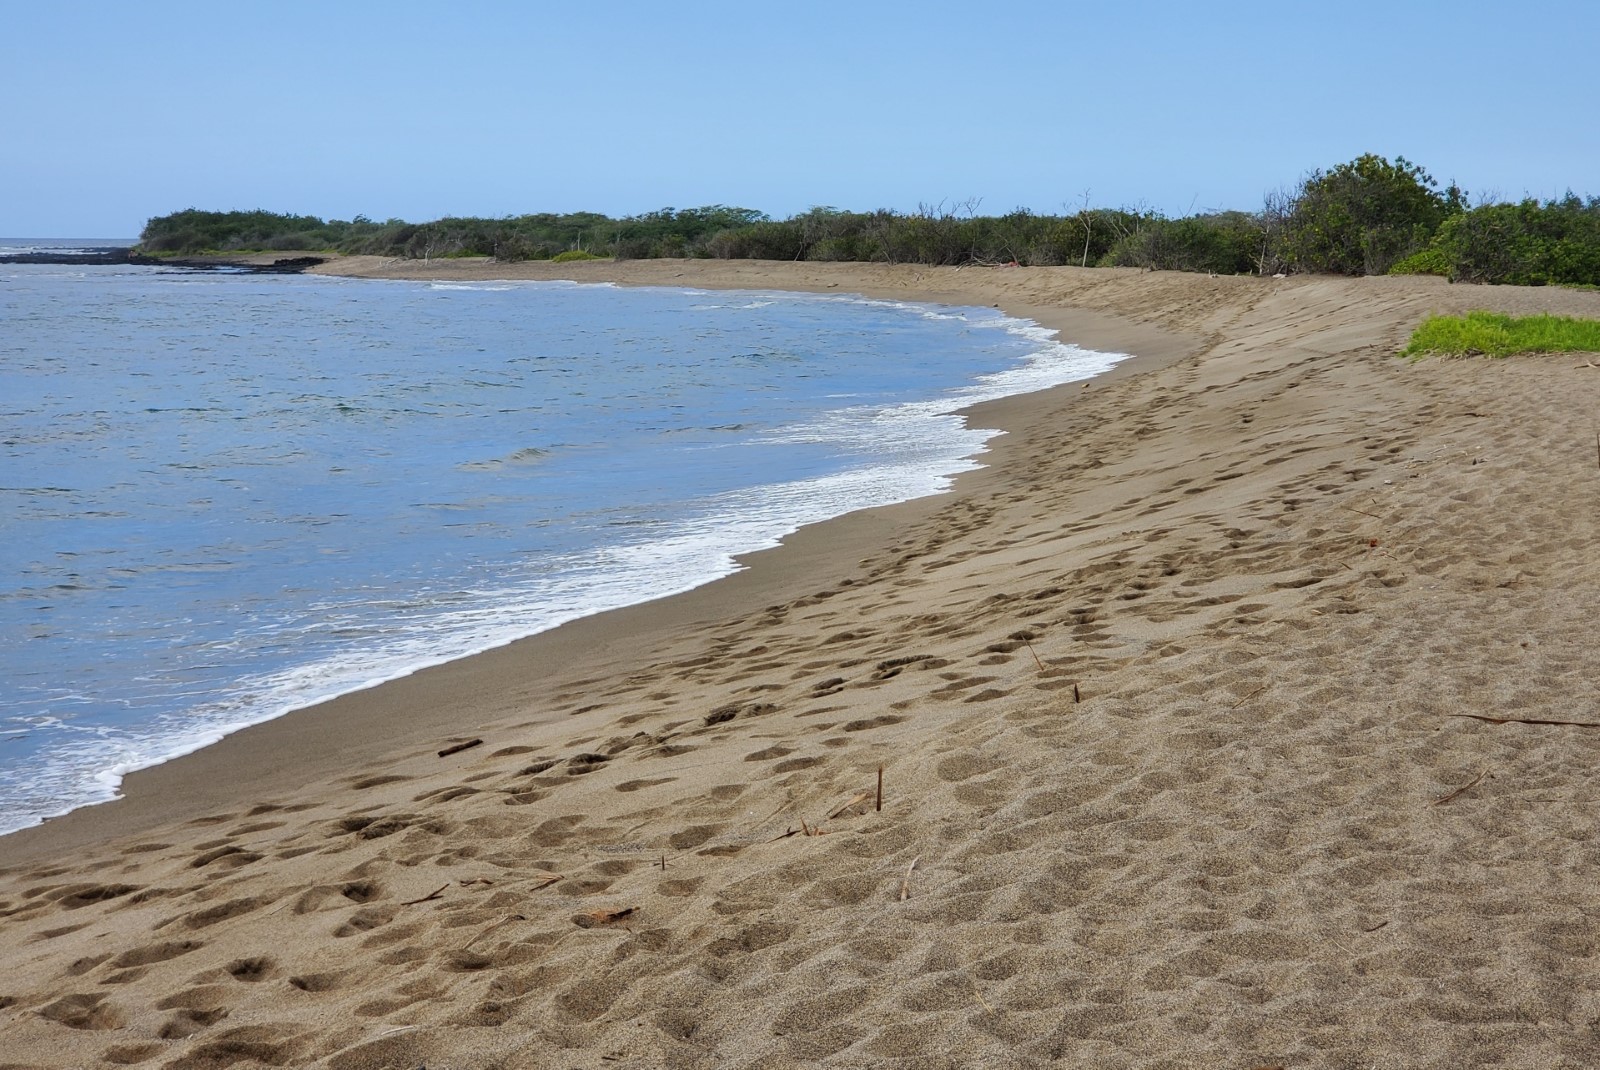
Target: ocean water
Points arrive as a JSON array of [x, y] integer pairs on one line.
[[226, 496], [62, 246]]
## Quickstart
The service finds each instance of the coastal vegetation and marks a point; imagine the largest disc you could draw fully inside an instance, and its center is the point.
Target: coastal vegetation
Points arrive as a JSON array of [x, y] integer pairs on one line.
[[1494, 335], [1369, 216]]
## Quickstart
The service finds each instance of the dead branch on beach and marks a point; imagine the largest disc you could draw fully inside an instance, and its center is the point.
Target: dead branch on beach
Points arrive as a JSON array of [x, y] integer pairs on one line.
[[1250, 696], [591, 918], [1035, 654], [437, 893], [1526, 720], [457, 748], [507, 920], [850, 804], [1441, 800]]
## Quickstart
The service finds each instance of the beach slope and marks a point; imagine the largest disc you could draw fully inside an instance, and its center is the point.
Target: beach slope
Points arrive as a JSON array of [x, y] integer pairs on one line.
[[1241, 713]]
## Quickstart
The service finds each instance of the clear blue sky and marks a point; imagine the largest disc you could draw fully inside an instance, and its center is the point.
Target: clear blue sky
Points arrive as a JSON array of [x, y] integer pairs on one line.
[[117, 111]]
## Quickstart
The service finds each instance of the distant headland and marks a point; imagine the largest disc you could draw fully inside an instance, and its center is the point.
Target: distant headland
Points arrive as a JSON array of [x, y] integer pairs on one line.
[[1370, 216], [121, 254]]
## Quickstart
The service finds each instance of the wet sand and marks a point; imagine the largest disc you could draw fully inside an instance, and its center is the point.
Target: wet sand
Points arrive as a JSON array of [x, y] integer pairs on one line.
[[1203, 714]]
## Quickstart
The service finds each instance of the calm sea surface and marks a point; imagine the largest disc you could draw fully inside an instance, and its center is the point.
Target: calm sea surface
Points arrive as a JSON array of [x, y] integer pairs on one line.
[[223, 497]]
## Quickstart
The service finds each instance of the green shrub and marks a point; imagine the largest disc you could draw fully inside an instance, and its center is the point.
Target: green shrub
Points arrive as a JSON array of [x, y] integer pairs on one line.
[[574, 254], [1364, 216], [1495, 335], [1430, 261], [1368, 216], [1526, 244], [1223, 244]]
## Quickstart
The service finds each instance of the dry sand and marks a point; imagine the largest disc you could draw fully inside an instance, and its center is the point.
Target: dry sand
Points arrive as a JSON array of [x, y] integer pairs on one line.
[[1191, 710]]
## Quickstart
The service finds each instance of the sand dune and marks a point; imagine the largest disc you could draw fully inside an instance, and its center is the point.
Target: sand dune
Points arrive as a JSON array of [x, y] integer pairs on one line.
[[1214, 720]]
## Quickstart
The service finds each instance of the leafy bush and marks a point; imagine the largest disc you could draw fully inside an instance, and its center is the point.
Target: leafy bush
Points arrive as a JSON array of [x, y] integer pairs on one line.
[[1368, 216], [574, 254], [1364, 216], [1526, 244], [1223, 244], [1430, 261]]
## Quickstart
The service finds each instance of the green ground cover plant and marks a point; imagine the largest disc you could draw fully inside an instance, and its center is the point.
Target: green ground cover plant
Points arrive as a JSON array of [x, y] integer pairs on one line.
[[1494, 335]]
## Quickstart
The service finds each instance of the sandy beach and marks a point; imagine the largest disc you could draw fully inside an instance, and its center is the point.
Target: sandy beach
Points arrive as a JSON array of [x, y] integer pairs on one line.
[[1240, 713]]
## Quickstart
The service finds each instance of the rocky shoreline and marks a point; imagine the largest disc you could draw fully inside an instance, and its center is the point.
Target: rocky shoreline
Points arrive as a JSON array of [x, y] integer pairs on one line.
[[112, 255]]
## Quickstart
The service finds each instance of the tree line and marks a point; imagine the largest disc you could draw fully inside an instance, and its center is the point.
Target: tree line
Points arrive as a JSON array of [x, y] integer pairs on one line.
[[1369, 216]]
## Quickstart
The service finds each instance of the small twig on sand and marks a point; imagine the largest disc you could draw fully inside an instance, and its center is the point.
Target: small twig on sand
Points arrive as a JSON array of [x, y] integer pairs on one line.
[[1077, 696], [437, 893], [905, 885], [858, 797], [1441, 800], [590, 918], [507, 920], [1035, 654], [878, 808], [457, 748], [1250, 696], [546, 880], [1526, 720], [1363, 512]]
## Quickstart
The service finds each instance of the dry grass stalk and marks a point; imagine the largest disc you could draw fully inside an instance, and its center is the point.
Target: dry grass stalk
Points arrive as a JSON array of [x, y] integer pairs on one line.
[[1035, 654], [507, 920], [1248, 697], [1441, 800], [1526, 720], [979, 994], [1363, 512], [905, 885], [457, 748], [546, 880], [591, 918], [437, 893], [858, 797]]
